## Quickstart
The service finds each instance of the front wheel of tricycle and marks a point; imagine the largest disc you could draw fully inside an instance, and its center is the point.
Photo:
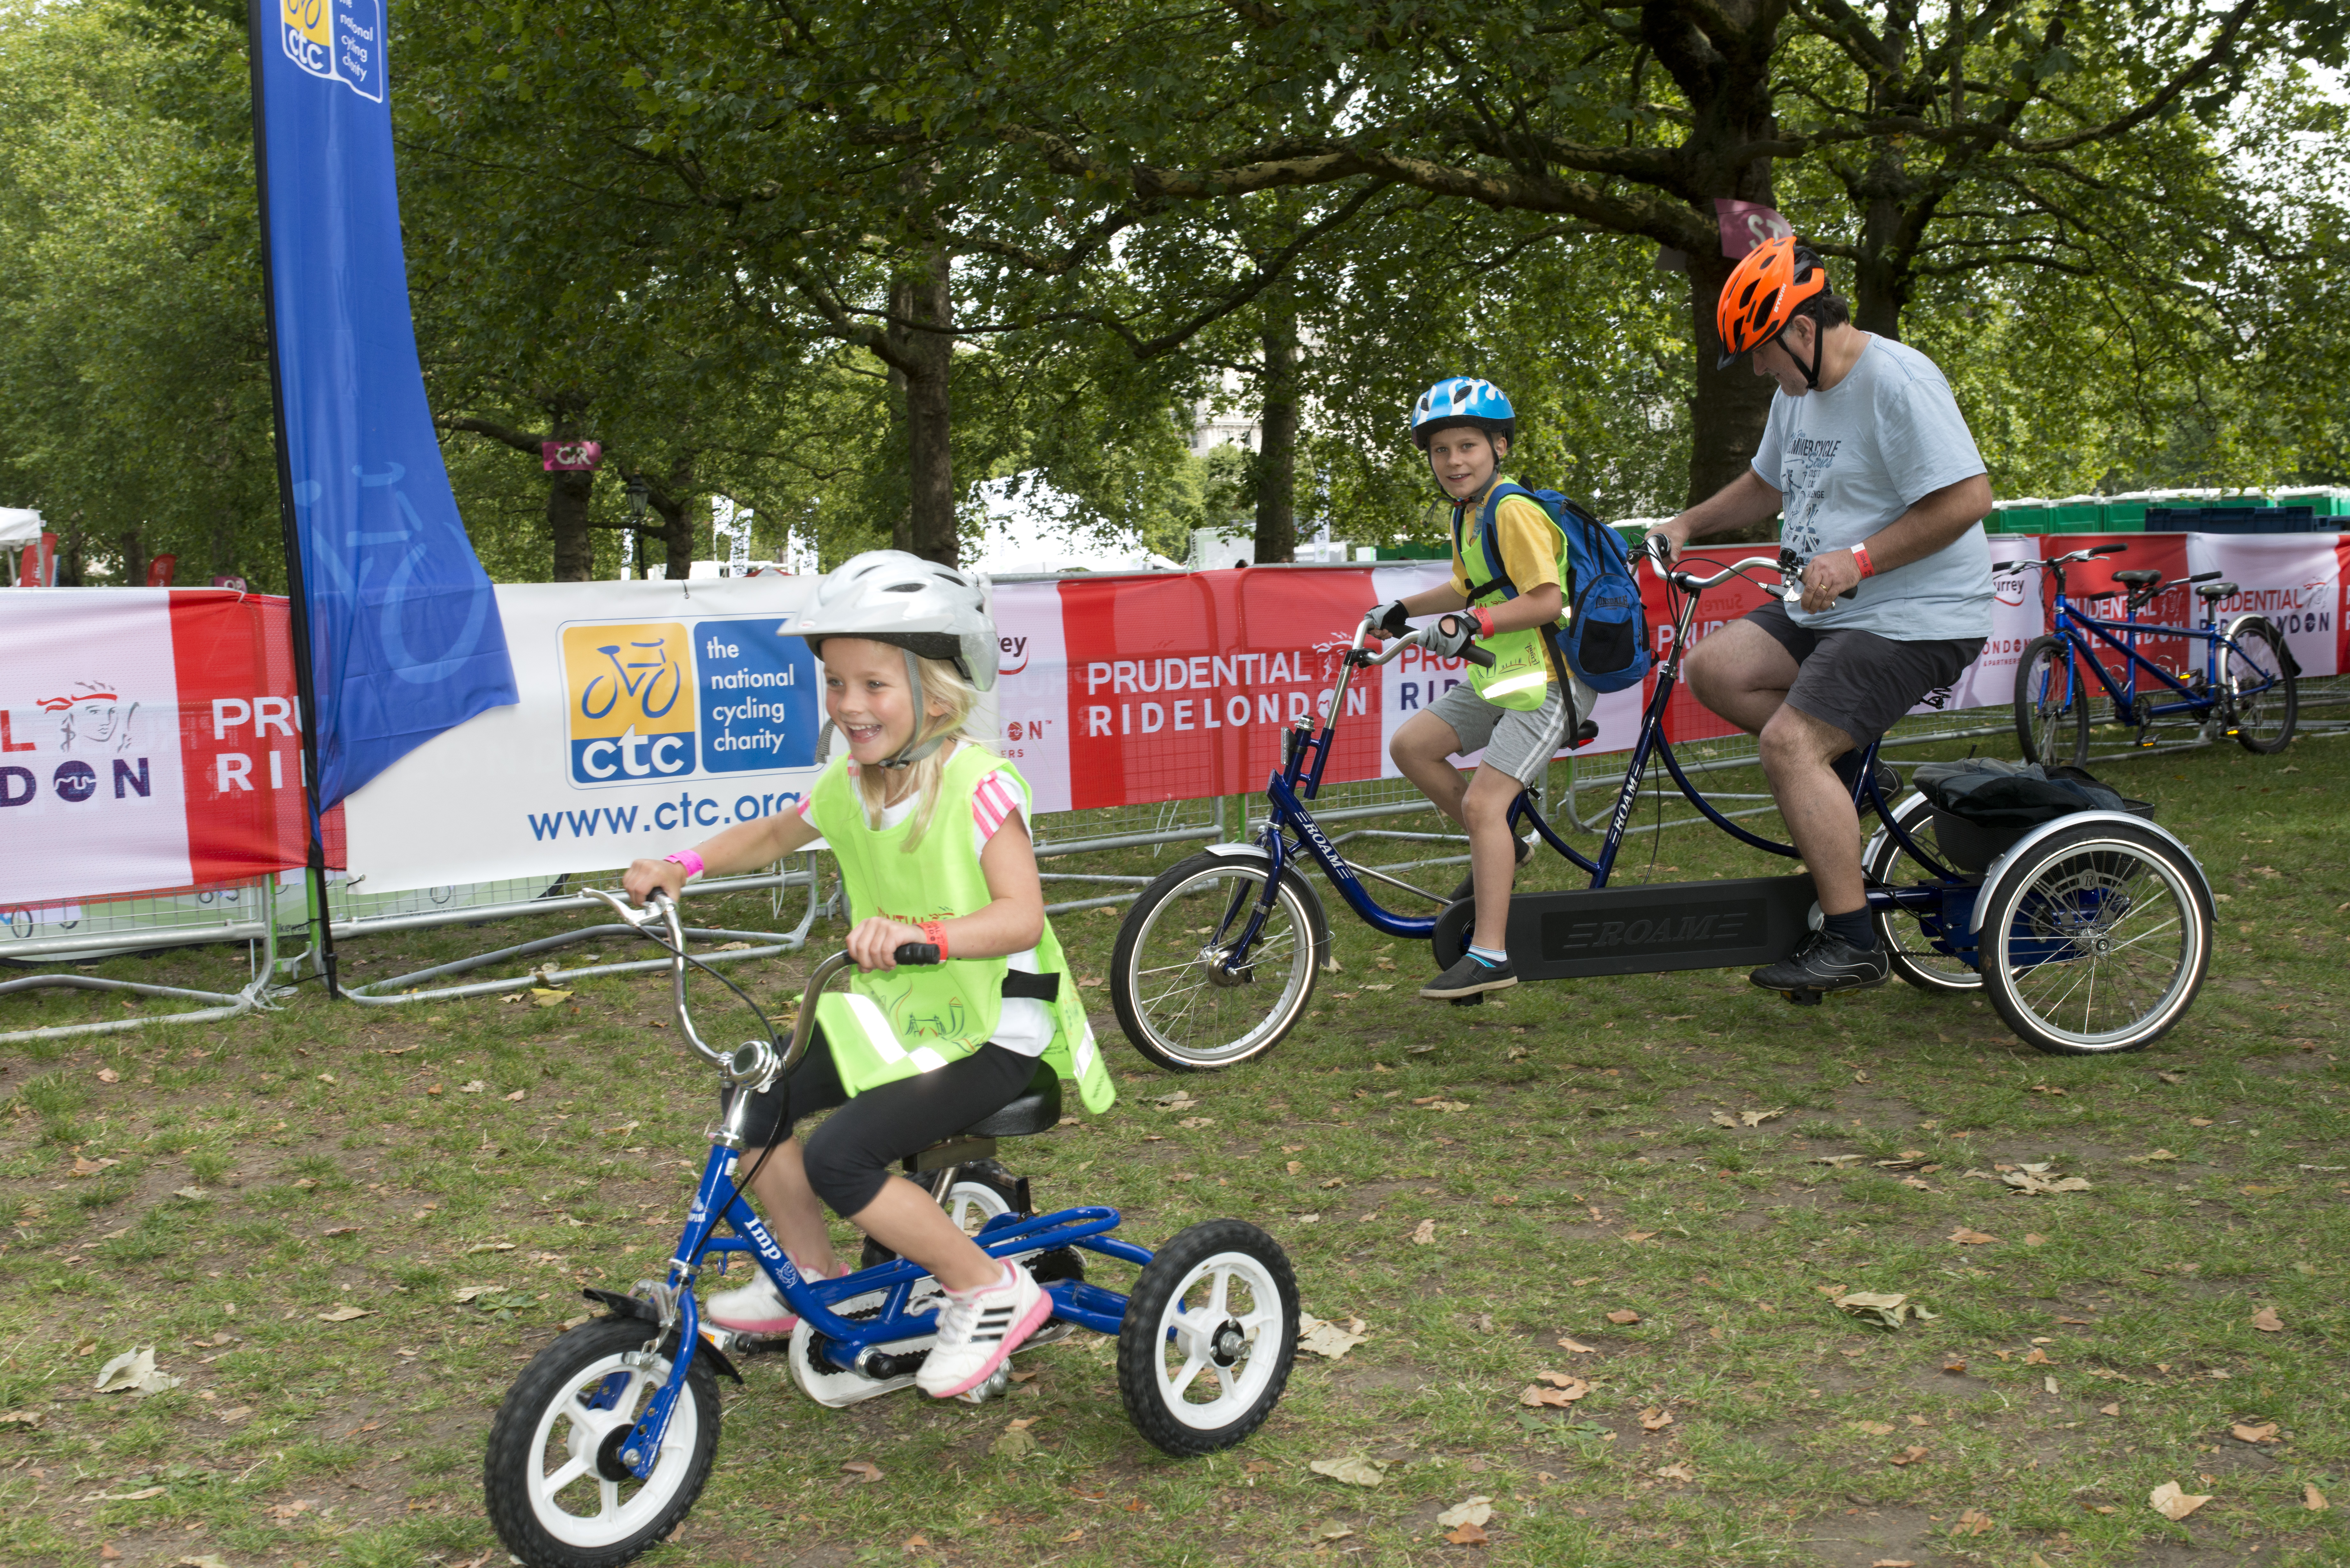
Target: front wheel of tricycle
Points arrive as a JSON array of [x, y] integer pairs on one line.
[[558, 1493], [1210, 1332], [2096, 939], [1180, 1000]]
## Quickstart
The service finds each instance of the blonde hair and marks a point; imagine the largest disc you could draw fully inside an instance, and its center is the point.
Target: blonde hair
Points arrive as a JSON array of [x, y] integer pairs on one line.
[[941, 684]]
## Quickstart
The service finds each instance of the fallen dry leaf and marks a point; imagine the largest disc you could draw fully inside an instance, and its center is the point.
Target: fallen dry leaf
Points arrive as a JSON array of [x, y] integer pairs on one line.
[[2267, 1321], [548, 996], [134, 1372], [1424, 1233], [2265, 1432], [2173, 1502], [1908, 1456], [1468, 1536], [2036, 1356], [2112, 1409], [1351, 1471], [19, 1420], [1653, 1420], [1966, 1238], [1567, 1341], [344, 1313], [1894, 1563], [1569, 1390], [1015, 1443], [518, 1094], [1678, 1470], [865, 1470], [1883, 1308], [1875, 1428], [109, 1075], [1328, 1339], [2030, 1240], [1624, 1317], [1475, 1510], [1973, 1522], [91, 1167], [2314, 1499]]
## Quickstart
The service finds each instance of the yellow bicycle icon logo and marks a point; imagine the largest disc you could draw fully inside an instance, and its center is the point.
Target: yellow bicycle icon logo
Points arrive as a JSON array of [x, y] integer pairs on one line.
[[646, 674]]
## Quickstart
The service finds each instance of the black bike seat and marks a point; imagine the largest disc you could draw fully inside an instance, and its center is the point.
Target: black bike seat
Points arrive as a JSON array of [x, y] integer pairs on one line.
[[2137, 579], [1036, 1108], [2214, 590]]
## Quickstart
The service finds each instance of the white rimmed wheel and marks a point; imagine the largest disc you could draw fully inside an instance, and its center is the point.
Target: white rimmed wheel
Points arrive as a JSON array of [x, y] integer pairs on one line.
[[2052, 704], [2096, 939], [1180, 998], [1914, 956], [1211, 1330], [558, 1493], [2258, 673]]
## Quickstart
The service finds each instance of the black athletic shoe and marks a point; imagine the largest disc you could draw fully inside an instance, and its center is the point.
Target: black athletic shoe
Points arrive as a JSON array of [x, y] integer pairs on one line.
[[1824, 962], [1847, 772], [1468, 977], [1468, 888]]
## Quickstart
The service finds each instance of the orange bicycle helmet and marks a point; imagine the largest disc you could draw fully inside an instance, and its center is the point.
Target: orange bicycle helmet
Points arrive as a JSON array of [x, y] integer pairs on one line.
[[1762, 296]]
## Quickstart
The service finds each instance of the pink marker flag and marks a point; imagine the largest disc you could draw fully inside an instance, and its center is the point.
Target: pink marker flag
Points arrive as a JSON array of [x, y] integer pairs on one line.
[[1746, 224]]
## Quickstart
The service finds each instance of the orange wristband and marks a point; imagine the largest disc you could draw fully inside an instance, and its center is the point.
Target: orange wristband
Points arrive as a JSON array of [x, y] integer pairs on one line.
[[936, 931], [1860, 559], [1484, 619]]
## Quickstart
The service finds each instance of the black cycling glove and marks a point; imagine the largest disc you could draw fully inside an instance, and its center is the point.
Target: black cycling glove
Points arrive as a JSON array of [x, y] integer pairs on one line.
[[1391, 617], [1451, 635]]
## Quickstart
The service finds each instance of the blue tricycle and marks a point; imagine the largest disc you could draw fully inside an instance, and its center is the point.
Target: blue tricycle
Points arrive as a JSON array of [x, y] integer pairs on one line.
[[602, 1445], [2090, 933]]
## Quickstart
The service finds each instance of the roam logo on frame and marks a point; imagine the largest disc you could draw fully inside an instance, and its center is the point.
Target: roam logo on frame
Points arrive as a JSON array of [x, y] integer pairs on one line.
[[628, 702]]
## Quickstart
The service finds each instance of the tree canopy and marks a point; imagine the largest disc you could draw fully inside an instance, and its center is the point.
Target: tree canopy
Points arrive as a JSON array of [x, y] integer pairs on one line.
[[843, 266]]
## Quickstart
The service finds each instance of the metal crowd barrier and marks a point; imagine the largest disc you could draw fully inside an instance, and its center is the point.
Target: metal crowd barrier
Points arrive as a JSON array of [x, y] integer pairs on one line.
[[99, 930]]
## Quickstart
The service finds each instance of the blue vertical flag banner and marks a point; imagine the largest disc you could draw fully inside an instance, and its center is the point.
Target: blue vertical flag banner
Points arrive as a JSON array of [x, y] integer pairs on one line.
[[403, 635]]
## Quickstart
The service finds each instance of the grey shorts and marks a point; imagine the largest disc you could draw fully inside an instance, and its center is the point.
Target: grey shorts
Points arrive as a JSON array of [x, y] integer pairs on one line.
[[1518, 742], [1857, 681]]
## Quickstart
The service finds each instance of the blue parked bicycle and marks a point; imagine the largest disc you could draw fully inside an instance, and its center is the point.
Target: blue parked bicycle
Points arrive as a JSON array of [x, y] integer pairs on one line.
[[2247, 689], [2089, 934], [602, 1445]]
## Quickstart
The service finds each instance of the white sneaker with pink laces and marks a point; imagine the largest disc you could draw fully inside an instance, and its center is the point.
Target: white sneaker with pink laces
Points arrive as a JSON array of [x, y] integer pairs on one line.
[[977, 1331], [755, 1308]]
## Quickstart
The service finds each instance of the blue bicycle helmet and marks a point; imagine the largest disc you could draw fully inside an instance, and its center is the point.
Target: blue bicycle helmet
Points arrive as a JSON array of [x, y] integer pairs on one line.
[[1457, 401]]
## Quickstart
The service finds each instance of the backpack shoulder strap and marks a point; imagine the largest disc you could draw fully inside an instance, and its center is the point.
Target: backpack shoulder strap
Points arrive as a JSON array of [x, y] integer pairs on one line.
[[1496, 577]]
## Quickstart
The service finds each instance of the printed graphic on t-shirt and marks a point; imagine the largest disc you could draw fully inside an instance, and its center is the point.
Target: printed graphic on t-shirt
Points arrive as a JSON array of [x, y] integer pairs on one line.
[[1803, 486]]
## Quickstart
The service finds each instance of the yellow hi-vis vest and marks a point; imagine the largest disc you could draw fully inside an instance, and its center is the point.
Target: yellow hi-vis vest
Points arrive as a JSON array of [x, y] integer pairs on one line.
[[1523, 665], [895, 1023]]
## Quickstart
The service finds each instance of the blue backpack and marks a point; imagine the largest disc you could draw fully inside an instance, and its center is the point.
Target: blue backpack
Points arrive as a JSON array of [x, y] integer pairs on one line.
[[1606, 641]]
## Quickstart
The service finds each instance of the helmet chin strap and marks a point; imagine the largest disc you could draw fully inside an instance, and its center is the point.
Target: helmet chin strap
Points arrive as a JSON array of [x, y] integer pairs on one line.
[[915, 750]]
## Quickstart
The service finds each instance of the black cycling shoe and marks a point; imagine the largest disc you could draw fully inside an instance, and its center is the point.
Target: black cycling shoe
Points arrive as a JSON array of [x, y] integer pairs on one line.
[[1824, 962], [1472, 976], [1847, 772], [1468, 888]]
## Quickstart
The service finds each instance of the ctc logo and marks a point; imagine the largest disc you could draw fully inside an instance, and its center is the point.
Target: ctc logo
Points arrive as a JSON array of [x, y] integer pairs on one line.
[[626, 718]]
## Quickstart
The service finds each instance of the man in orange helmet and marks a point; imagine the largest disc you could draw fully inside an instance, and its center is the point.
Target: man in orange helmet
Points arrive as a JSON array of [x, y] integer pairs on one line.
[[1870, 465]]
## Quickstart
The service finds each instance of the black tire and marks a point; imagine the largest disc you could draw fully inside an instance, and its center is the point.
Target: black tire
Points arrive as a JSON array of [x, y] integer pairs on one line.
[[1907, 942], [533, 1519], [982, 1189], [2096, 939], [2260, 664], [1193, 1278], [2049, 700], [1177, 1004]]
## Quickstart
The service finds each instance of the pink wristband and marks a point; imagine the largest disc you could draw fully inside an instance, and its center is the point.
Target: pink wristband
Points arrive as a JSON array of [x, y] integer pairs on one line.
[[690, 860]]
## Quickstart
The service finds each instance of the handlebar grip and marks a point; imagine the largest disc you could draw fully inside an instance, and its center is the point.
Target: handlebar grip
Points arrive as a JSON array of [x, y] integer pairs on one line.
[[916, 952], [2105, 550], [1852, 593], [2005, 565], [1477, 656], [2205, 578]]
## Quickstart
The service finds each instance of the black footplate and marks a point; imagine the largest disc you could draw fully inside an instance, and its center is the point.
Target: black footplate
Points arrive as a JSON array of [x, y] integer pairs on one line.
[[1646, 929]]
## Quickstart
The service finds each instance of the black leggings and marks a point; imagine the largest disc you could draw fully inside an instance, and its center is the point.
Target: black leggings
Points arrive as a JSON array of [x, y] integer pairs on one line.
[[849, 1156]]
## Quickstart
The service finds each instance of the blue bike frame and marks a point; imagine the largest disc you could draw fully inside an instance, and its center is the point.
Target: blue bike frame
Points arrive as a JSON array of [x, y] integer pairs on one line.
[[2069, 624], [1290, 830]]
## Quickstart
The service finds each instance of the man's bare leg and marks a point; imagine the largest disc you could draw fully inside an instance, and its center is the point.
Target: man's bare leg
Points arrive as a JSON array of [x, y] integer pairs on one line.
[[1797, 751], [1742, 673]]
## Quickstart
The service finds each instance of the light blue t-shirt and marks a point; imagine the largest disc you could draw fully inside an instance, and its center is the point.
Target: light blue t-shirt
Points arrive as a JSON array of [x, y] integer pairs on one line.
[[1851, 458]]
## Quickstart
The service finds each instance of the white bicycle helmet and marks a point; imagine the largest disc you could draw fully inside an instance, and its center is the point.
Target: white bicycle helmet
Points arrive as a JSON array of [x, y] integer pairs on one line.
[[929, 610]]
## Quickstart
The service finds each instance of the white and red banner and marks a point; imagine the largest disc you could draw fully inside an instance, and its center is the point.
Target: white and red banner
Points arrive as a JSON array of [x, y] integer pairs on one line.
[[148, 742]]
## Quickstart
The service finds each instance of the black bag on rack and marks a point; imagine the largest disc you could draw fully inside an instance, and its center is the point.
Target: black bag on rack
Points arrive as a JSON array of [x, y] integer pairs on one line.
[[1983, 806]]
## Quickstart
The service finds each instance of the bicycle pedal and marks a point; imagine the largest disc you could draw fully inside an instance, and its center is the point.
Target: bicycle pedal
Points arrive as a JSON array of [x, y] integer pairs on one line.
[[1802, 997], [992, 1388], [1474, 999]]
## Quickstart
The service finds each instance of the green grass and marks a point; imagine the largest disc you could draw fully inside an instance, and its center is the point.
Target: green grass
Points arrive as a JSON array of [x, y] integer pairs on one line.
[[1585, 1176]]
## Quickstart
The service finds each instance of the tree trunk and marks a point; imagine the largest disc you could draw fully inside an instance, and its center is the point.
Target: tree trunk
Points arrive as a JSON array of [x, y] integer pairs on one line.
[[568, 494], [920, 298], [1727, 408], [1273, 467], [134, 558], [676, 536]]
